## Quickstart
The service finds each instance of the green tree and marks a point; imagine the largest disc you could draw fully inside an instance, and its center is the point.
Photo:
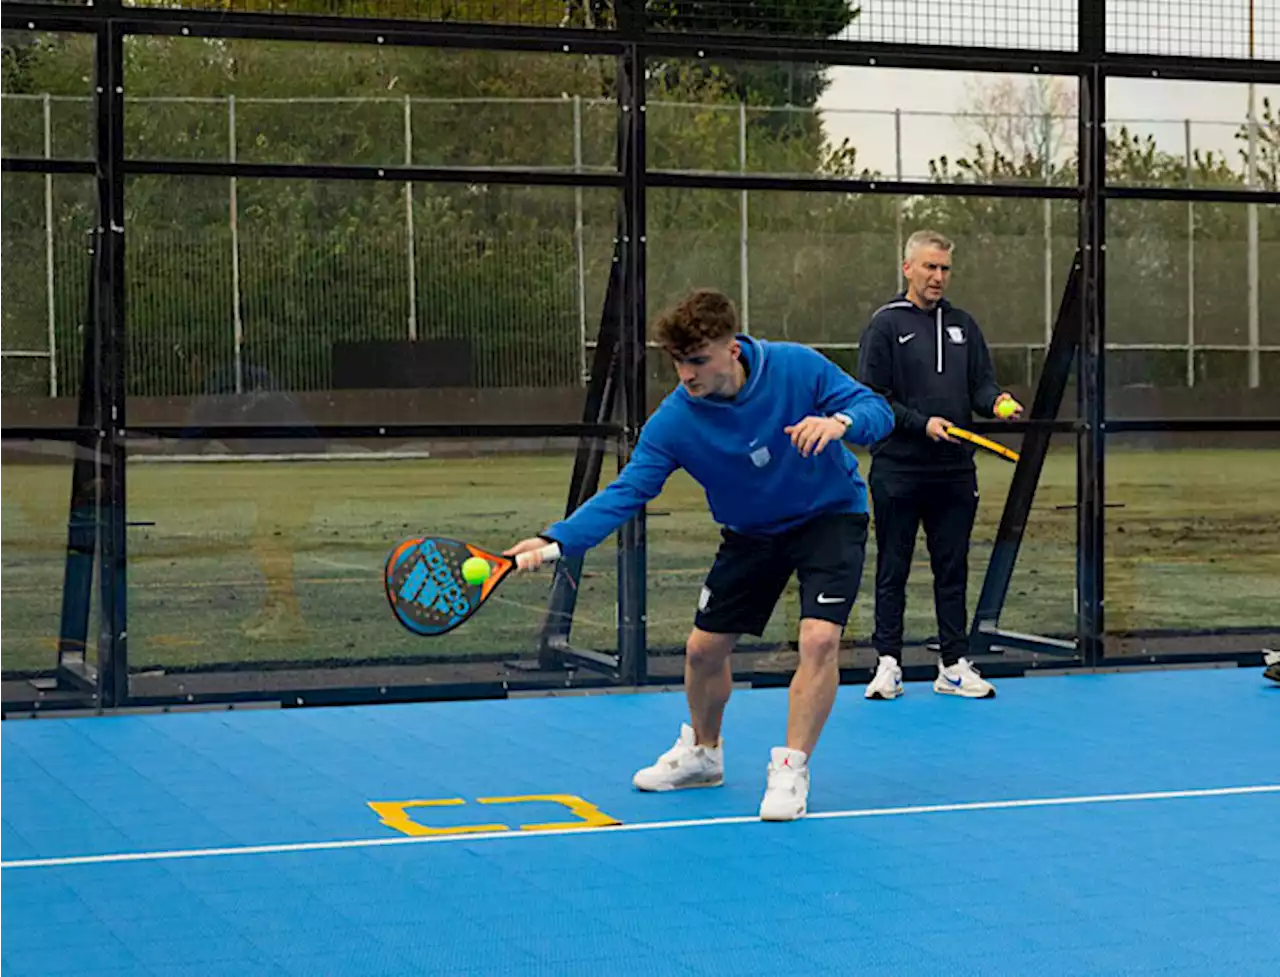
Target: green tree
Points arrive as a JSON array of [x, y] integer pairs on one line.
[[776, 85], [1154, 248]]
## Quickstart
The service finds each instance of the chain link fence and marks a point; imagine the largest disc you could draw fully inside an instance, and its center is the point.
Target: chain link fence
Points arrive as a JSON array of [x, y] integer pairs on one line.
[[229, 279]]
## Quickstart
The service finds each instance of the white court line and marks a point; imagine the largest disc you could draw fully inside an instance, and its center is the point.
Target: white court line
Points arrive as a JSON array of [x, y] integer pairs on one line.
[[155, 856]]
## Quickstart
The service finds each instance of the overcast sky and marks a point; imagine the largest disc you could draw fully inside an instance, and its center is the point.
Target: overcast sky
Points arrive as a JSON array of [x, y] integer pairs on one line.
[[1218, 28]]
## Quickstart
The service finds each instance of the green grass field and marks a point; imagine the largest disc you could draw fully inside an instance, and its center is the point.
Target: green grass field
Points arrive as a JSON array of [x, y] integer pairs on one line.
[[1195, 544]]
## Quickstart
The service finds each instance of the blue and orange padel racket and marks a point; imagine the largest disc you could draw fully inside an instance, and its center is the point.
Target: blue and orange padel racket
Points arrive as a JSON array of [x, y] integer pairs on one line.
[[425, 586]]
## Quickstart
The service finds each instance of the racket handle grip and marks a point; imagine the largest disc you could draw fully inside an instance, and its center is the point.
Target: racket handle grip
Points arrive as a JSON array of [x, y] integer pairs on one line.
[[549, 553]]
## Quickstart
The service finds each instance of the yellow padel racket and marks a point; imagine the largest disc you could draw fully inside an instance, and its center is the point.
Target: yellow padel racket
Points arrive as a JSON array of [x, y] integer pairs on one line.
[[993, 446]]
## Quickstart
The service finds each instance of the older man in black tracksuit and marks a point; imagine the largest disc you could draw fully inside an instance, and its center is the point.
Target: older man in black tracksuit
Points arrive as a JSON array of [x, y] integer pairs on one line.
[[930, 359]]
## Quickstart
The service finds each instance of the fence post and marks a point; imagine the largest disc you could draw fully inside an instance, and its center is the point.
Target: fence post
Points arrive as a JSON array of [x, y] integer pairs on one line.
[[1049, 311], [1255, 378], [580, 251], [1191, 263], [411, 245], [744, 263], [237, 316], [48, 249], [900, 201]]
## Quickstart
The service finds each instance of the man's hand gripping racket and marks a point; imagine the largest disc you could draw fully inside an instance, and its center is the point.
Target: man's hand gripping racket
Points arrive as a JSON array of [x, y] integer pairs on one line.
[[941, 429], [434, 583]]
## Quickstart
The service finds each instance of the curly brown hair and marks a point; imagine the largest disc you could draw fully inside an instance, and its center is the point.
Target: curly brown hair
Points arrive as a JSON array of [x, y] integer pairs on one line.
[[701, 316]]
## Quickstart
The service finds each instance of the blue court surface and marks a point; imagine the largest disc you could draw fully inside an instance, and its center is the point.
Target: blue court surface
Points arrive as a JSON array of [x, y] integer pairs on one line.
[[1092, 824]]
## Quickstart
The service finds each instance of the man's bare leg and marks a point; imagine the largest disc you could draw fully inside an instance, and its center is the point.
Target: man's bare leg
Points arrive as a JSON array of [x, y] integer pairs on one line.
[[708, 680], [814, 686], [697, 759], [813, 692]]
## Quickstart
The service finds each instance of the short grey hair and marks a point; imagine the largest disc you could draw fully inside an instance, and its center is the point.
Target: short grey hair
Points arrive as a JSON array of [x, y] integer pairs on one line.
[[926, 239]]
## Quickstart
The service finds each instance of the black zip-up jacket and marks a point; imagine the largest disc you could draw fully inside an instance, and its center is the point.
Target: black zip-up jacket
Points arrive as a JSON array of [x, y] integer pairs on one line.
[[928, 363]]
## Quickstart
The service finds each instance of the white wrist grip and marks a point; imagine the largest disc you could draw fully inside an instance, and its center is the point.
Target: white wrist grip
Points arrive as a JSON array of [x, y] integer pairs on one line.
[[549, 554]]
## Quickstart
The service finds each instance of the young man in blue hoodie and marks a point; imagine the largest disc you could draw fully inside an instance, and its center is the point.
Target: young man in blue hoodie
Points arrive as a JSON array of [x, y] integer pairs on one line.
[[754, 423]]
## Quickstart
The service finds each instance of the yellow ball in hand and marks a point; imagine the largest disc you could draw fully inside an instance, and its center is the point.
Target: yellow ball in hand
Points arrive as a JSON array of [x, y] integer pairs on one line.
[[1007, 408]]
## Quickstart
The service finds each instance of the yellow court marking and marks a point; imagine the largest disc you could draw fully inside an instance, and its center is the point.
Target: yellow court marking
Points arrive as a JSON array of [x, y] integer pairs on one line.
[[395, 815], [589, 816]]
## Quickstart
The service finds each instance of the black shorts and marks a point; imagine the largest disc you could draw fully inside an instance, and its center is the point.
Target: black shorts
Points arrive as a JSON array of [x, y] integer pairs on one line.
[[751, 572]]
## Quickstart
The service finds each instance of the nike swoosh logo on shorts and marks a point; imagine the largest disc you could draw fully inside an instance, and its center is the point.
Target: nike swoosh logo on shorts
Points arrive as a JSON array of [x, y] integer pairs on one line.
[[824, 599]]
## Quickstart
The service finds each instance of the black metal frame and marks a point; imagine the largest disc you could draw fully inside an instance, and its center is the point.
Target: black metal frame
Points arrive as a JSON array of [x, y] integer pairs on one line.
[[985, 634], [1090, 484], [618, 377]]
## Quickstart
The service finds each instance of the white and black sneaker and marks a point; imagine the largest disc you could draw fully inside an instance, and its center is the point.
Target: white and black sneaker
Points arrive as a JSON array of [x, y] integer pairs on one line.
[[887, 683], [962, 679]]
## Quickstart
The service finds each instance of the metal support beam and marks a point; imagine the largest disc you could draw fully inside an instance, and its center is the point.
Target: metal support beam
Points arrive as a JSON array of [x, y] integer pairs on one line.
[[652, 42], [632, 556], [588, 463], [1091, 494], [1054, 379], [109, 329], [81, 167], [74, 670], [319, 28], [467, 175], [666, 179]]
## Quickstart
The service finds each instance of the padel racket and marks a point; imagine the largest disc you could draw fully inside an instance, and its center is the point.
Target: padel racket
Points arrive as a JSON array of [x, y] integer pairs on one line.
[[994, 447], [425, 586]]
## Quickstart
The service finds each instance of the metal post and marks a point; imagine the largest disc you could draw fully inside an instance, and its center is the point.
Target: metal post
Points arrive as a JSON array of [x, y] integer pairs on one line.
[[237, 312], [109, 333], [578, 246], [1048, 232], [743, 253], [899, 201], [632, 557], [1191, 262], [1255, 365], [634, 647], [48, 250], [411, 246], [1091, 446]]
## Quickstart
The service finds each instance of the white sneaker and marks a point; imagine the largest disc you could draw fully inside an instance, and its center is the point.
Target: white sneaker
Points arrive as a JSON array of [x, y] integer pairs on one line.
[[887, 683], [962, 679], [786, 796], [1272, 660], [684, 765]]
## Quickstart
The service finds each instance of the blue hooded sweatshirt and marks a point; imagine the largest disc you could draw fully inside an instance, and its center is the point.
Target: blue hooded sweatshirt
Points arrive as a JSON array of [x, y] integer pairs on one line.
[[736, 448]]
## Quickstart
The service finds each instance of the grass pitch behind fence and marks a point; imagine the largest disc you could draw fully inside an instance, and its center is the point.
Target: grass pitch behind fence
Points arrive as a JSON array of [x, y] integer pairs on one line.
[[253, 561]]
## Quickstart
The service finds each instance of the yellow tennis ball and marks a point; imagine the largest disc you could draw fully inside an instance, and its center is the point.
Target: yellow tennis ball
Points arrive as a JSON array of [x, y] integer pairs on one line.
[[475, 571], [1006, 408]]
